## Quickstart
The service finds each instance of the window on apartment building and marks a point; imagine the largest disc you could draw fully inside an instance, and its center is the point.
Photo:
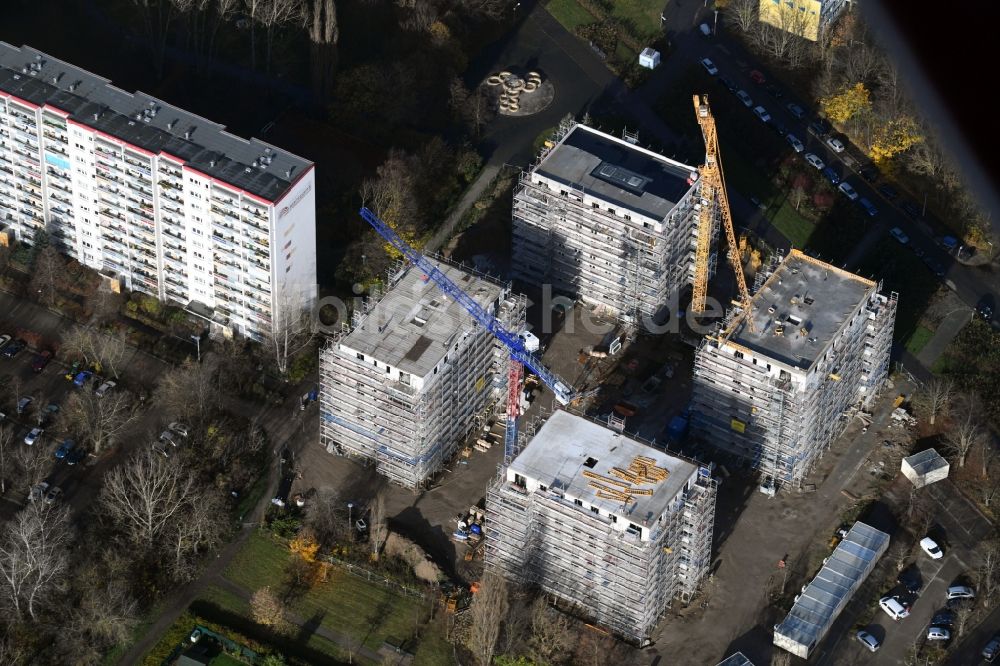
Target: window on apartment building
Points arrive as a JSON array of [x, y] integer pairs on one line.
[[564, 193], [627, 217], [612, 211], [578, 502], [404, 378], [287, 245], [542, 488], [594, 509], [595, 205], [361, 357], [738, 354]]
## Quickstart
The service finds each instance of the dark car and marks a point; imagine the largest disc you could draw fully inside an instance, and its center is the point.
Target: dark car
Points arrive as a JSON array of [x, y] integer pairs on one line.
[[729, 84], [65, 449], [943, 618], [888, 191], [910, 579], [76, 455], [42, 359], [775, 92], [831, 175], [869, 173], [984, 307], [82, 378], [991, 649], [14, 348], [779, 127], [911, 209], [758, 77], [820, 127]]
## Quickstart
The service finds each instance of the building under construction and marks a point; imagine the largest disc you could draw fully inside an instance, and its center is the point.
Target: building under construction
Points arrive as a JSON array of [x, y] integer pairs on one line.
[[608, 222], [404, 384], [777, 394], [609, 525]]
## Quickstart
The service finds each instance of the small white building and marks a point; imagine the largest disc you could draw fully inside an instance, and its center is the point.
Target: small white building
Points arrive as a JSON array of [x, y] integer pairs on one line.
[[925, 468], [649, 58]]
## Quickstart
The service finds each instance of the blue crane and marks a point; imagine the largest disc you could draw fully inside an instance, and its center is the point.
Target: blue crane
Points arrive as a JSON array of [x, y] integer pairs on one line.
[[514, 344]]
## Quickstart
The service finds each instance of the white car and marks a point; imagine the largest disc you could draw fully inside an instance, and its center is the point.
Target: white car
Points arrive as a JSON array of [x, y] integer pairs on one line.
[[961, 592], [903, 239], [893, 608], [930, 547], [33, 436], [848, 191], [762, 113], [104, 388], [745, 98], [868, 640], [4, 339], [938, 634], [795, 143], [815, 161], [836, 145], [179, 428], [709, 66]]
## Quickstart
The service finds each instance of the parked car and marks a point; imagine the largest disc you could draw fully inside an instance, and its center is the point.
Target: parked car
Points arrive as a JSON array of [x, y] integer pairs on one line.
[[820, 127], [709, 66], [929, 545], [104, 388], [179, 428], [42, 359], [961, 592], [758, 77], [869, 173], [160, 448], [796, 111], [836, 145], [911, 209], [729, 84], [903, 239], [38, 491], [831, 175], [984, 307], [33, 436], [868, 207], [13, 348], [76, 455], [55, 492], [944, 618], [893, 608], [705, 30], [23, 404], [909, 578], [888, 191], [848, 191], [779, 127], [65, 449], [775, 92], [815, 161], [4, 339], [762, 114], [991, 649], [168, 437], [82, 378], [745, 98], [938, 634], [795, 143], [868, 640]]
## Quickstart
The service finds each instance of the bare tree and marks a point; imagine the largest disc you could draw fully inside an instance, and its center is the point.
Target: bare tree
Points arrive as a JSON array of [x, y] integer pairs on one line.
[[267, 609], [489, 609], [965, 432], [744, 14], [988, 571], [104, 305], [324, 34], [273, 14], [32, 463], [100, 420], [935, 398], [106, 352], [47, 274], [551, 631], [6, 437], [515, 626], [989, 489], [157, 16], [190, 391], [987, 453], [292, 330], [327, 515], [200, 528], [34, 556], [379, 528], [146, 495], [475, 108]]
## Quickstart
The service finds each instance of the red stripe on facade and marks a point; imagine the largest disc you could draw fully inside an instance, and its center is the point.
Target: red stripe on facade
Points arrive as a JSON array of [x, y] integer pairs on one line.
[[56, 110], [229, 186]]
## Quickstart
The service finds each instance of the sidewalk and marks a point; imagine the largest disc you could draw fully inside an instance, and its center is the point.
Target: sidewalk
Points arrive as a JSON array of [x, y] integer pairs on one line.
[[946, 331]]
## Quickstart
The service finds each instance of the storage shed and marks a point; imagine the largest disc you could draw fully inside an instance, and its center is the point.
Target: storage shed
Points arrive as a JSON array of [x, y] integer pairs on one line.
[[649, 58], [925, 468]]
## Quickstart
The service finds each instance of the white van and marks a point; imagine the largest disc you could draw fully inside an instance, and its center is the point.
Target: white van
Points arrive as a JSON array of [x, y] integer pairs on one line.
[[893, 608], [705, 30]]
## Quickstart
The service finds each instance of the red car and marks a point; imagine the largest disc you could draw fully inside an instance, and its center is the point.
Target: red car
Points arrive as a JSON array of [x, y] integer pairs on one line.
[[757, 77], [41, 360]]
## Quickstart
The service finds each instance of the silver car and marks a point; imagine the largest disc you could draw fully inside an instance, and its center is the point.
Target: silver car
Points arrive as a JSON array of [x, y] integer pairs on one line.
[[868, 640]]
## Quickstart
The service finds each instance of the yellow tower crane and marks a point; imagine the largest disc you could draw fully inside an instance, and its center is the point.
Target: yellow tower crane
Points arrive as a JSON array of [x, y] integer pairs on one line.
[[713, 191]]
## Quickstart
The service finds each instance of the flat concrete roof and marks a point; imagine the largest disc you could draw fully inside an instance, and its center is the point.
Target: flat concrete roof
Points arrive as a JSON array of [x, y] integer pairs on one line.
[[415, 324], [810, 301], [926, 461], [559, 452], [737, 659], [147, 122], [627, 177]]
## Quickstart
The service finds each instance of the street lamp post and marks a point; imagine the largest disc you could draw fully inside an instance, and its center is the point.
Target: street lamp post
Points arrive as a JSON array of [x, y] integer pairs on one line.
[[197, 344], [715, 26], [350, 520]]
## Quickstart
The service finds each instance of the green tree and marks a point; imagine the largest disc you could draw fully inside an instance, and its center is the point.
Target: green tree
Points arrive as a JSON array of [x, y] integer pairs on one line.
[[846, 104]]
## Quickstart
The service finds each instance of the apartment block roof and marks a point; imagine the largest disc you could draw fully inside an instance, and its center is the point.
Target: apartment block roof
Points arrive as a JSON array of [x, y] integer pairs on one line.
[[567, 446], [414, 324], [148, 123], [800, 309], [626, 176]]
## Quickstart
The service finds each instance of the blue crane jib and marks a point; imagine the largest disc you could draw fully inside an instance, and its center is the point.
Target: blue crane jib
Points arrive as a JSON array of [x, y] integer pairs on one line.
[[563, 392]]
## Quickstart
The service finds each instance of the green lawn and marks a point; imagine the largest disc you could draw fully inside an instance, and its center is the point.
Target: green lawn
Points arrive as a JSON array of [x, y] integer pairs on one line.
[[345, 603], [902, 272], [920, 337], [643, 14], [569, 13], [793, 226]]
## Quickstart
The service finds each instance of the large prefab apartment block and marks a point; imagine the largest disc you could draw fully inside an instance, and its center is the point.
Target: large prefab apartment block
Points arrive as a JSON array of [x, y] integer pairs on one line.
[[161, 200], [611, 526], [405, 385], [608, 222], [778, 395]]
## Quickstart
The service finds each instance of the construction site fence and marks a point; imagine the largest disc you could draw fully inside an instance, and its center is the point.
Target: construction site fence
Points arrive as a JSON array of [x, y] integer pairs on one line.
[[378, 578]]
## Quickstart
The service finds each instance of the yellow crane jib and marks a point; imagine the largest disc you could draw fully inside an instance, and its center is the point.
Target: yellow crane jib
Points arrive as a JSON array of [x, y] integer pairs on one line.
[[712, 190]]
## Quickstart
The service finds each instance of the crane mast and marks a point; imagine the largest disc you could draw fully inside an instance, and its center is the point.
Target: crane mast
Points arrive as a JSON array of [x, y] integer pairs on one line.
[[713, 191], [519, 355]]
